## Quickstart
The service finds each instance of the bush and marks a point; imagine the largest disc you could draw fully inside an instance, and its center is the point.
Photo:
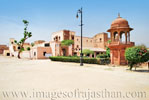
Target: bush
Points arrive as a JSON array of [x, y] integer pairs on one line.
[[108, 52], [102, 56], [77, 60], [104, 61], [136, 55]]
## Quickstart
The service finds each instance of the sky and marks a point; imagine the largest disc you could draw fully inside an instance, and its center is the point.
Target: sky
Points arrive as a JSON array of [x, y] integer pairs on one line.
[[47, 16]]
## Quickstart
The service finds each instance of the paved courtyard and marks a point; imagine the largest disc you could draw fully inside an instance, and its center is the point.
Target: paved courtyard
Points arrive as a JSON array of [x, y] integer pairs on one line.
[[69, 81]]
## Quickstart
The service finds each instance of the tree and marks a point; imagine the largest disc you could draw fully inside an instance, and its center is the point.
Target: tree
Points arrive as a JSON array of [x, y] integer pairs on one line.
[[28, 48], [32, 44], [26, 36], [87, 51], [136, 55], [67, 42]]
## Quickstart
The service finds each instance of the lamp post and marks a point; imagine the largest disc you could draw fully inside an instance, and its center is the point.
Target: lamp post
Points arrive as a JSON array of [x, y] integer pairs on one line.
[[81, 55]]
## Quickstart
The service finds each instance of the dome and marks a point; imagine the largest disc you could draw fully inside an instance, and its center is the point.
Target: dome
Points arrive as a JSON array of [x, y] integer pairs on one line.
[[120, 23]]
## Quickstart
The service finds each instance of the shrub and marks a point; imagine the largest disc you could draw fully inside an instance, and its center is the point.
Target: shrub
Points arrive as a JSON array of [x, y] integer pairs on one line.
[[108, 52], [102, 56], [136, 55], [77, 60]]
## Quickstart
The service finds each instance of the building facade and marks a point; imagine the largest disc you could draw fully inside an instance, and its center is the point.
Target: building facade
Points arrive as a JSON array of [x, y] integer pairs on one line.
[[97, 43]]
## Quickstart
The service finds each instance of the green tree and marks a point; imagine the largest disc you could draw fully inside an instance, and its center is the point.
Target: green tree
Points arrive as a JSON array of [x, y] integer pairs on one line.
[[109, 41], [26, 36], [32, 44], [136, 55], [28, 48], [87, 51], [67, 42]]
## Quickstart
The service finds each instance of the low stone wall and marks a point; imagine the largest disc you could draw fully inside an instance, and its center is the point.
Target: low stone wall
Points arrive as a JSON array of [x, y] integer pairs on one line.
[[25, 54]]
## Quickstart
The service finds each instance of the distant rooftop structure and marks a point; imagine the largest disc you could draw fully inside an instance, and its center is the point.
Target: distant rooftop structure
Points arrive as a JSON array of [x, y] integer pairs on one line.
[[39, 41]]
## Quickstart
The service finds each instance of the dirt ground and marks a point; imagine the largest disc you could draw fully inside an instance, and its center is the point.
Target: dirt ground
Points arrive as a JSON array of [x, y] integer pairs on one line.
[[69, 81]]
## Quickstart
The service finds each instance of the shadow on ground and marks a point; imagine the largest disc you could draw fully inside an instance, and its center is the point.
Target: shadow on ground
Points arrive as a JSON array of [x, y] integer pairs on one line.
[[141, 71]]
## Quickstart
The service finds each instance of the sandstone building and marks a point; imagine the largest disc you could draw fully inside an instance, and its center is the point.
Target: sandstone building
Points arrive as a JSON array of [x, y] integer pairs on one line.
[[97, 43], [120, 40]]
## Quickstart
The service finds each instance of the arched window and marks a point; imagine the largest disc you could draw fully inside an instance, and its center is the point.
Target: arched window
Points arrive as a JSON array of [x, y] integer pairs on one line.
[[116, 36], [122, 36]]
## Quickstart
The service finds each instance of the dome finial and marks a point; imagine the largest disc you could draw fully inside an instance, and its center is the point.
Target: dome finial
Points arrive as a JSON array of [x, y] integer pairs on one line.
[[118, 15]]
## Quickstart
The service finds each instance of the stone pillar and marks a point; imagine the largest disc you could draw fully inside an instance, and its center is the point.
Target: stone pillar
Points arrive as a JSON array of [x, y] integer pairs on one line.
[[118, 36], [112, 57], [119, 57], [112, 37], [126, 37], [129, 36], [90, 55], [94, 54]]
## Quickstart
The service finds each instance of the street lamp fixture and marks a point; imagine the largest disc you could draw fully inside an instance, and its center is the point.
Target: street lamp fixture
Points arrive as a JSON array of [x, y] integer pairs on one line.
[[81, 54]]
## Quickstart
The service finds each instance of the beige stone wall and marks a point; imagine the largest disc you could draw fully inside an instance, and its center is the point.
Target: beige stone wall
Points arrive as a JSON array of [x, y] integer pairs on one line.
[[98, 41], [62, 35], [5, 52], [25, 54], [58, 34], [87, 42]]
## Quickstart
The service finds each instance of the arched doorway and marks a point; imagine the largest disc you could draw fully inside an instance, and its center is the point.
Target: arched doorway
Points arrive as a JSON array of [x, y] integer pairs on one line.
[[64, 52]]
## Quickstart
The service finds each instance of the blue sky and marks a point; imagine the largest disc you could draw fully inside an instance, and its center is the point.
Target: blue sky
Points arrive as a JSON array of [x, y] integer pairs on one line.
[[47, 16]]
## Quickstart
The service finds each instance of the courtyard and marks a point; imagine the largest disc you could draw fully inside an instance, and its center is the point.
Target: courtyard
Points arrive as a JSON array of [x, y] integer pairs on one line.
[[44, 75]]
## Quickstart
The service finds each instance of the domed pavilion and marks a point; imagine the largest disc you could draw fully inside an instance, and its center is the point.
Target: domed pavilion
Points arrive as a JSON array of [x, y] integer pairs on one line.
[[120, 40]]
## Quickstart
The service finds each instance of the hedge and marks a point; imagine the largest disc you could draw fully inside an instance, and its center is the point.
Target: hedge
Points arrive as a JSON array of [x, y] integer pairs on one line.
[[102, 61]]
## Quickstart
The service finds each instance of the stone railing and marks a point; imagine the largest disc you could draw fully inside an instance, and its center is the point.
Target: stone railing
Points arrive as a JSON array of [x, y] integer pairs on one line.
[[122, 43]]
